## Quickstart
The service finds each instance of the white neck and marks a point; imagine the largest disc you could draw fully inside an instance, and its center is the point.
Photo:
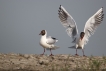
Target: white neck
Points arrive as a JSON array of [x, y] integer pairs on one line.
[[45, 33]]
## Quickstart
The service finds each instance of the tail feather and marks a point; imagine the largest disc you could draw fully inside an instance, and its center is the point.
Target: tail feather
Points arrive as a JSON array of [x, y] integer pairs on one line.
[[56, 40], [74, 47]]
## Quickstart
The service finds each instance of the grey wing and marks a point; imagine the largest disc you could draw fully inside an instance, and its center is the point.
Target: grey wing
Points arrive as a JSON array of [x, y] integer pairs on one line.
[[68, 22], [51, 40], [92, 24]]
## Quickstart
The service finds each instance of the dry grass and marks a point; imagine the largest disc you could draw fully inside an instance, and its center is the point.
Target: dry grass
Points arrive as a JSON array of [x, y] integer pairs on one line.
[[61, 62], [93, 65]]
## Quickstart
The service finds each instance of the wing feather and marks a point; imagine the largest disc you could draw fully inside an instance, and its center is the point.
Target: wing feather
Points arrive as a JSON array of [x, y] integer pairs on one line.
[[92, 24], [68, 22]]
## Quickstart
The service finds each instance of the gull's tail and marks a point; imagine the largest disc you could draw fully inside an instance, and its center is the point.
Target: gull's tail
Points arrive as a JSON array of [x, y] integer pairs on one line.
[[74, 47]]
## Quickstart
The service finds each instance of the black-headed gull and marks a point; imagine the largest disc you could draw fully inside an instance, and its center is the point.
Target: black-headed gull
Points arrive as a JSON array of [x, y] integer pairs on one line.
[[47, 42], [71, 28]]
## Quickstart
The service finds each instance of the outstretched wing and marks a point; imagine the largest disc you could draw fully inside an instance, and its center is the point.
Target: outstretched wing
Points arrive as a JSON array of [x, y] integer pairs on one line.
[[68, 22], [92, 23]]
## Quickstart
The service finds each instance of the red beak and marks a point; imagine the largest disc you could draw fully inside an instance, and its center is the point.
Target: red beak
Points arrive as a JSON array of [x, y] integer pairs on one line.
[[40, 34], [81, 38]]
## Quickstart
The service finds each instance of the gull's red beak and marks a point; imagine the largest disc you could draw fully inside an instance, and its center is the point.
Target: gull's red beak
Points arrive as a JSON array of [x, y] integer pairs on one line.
[[81, 38], [40, 34]]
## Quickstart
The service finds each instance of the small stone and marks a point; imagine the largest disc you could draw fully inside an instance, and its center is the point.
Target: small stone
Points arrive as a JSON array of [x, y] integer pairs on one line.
[[41, 61], [26, 56], [72, 60]]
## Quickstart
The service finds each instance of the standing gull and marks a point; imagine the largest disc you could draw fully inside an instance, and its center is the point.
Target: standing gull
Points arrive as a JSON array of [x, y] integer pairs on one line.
[[71, 28], [47, 42]]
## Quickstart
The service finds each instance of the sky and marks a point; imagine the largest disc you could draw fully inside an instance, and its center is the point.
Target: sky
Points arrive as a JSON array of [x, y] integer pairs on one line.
[[21, 21]]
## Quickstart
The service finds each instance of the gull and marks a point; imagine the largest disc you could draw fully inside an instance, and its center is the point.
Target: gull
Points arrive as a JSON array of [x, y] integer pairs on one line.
[[71, 28], [47, 42]]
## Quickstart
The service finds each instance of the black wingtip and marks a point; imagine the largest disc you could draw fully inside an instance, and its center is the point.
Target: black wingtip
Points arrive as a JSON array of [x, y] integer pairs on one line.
[[60, 7]]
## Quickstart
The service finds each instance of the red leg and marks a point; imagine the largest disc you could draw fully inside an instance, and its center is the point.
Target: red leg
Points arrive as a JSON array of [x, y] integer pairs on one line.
[[43, 52], [76, 52], [51, 52], [83, 52]]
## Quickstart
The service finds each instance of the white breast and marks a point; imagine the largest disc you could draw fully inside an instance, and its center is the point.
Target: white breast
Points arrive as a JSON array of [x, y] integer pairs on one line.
[[43, 42], [80, 43]]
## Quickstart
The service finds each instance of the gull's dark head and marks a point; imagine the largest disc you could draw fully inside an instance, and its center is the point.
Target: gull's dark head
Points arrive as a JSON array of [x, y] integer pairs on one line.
[[43, 32], [82, 35]]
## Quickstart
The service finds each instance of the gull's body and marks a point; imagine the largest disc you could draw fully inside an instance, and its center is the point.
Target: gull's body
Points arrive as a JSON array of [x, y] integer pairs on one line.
[[79, 43], [71, 28], [47, 42]]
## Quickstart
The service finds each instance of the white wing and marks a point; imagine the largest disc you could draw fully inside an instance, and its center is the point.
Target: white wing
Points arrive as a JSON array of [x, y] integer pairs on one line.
[[51, 40], [68, 22], [92, 23]]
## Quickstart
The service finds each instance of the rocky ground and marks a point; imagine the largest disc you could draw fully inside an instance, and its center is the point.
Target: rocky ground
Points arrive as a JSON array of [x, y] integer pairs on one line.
[[32, 62]]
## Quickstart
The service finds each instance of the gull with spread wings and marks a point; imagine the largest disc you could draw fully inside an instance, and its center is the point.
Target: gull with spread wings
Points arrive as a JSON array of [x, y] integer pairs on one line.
[[71, 28]]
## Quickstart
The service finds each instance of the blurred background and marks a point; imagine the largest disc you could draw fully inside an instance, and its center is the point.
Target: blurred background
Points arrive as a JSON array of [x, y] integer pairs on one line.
[[22, 20]]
